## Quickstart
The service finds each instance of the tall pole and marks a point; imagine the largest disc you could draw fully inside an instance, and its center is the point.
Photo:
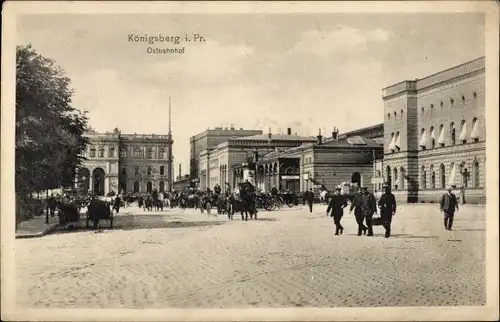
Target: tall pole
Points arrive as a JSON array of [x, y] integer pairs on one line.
[[170, 142]]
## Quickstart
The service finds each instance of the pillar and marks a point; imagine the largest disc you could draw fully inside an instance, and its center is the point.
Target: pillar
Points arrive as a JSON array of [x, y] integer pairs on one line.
[[91, 184], [106, 185]]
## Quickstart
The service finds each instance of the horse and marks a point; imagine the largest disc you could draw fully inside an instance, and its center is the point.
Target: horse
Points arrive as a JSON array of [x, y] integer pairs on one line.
[[244, 205], [98, 210], [148, 204]]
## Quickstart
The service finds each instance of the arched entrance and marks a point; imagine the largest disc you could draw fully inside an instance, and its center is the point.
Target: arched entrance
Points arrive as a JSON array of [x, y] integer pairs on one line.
[[98, 181], [136, 186], [162, 186], [84, 180], [356, 178], [149, 187]]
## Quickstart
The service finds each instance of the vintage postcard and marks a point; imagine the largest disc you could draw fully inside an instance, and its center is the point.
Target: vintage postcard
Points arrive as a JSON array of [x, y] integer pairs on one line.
[[224, 161]]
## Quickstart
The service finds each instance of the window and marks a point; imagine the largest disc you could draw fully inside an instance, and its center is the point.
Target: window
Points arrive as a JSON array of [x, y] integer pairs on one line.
[[452, 133], [433, 177], [162, 153], [474, 95], [395, 115], [465, 178], [395, 175], [388, 116], [136, 186], [162, 170], [442, 174], [441, 139], [441, 104], [433, 138], [150, 170], [137, 153], [474, 135], [124, 170], [463, 132], [150, 153], [423, 139], [136, 169], [111, 152], [463, 99], [123, 153], [101, 153], [452, 102], [92, 153], [423, 110], [424, 178], [392, 142], [401, 114], [475, 174], [397, 143]]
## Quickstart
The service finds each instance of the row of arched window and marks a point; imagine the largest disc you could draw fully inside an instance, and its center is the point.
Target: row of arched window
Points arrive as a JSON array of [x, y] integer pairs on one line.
[[149, 187], [440, 177], [441, 105], [432, 177], [101, 152], [440, 136], [138, 153]]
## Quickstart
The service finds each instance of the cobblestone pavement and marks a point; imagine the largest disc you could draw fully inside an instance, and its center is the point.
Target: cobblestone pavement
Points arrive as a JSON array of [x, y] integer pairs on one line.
[[287, 258]]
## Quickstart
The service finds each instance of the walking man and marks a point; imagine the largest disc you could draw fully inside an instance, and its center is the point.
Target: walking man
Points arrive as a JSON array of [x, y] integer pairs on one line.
[[387, 205], [366, 207], [337, 203], [448, 205], [309, 197]]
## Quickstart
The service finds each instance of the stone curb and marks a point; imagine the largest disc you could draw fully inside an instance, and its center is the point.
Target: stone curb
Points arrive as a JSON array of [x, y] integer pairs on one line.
[[38, 235]]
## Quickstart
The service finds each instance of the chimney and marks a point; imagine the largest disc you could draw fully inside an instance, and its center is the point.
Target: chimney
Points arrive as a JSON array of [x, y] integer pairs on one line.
[[289, 131], [334, 134], [320, 137], [269, 134], [232, 127], [180, 171]]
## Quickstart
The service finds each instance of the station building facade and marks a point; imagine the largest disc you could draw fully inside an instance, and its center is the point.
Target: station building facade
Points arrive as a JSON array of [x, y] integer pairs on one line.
[[208, 140], [434, 135], [217, 165], [131, 163], [341, 158]]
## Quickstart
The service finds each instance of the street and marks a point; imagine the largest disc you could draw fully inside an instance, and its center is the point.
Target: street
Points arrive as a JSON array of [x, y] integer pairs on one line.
[[287, 258]]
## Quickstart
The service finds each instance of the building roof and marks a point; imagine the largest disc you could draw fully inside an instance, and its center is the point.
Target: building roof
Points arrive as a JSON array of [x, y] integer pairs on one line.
[[351, 142], [276, 137]]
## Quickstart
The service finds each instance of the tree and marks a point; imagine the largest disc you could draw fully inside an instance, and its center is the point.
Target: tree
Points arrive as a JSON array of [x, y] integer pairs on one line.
[[49, 140]]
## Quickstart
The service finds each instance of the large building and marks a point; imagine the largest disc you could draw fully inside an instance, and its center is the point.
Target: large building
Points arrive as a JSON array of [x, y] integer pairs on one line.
[[327, 162], [434, 135], [217, 164], [209, 139], [126, 163]]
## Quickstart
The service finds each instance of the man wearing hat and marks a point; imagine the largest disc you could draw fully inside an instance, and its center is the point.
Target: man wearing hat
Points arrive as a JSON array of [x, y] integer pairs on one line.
[[448, 205], [366, 206], [336, 204], [387, 205], [309, 197]]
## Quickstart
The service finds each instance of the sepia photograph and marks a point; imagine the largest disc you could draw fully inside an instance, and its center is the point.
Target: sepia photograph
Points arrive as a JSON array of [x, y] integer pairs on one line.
[[251, 161]]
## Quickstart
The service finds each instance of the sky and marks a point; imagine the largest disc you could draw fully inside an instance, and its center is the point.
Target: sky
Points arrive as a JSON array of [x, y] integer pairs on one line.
[[253, 71]]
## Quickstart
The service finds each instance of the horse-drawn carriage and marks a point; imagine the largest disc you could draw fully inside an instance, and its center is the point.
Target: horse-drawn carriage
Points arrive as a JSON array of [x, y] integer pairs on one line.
[[100, 209]]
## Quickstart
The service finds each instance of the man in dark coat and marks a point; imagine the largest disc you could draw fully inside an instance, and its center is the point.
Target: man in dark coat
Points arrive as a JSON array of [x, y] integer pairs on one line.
[[274, 191], [309, 198], [387, 205], [448, 205], [366, 206], [336, 204]]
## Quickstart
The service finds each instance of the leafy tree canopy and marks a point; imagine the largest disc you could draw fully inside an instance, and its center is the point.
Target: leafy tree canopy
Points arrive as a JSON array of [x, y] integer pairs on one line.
[[49, 140]]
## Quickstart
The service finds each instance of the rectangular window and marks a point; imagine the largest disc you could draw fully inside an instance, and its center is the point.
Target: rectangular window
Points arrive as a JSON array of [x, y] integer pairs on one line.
[[162, 170], [136, 169]]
